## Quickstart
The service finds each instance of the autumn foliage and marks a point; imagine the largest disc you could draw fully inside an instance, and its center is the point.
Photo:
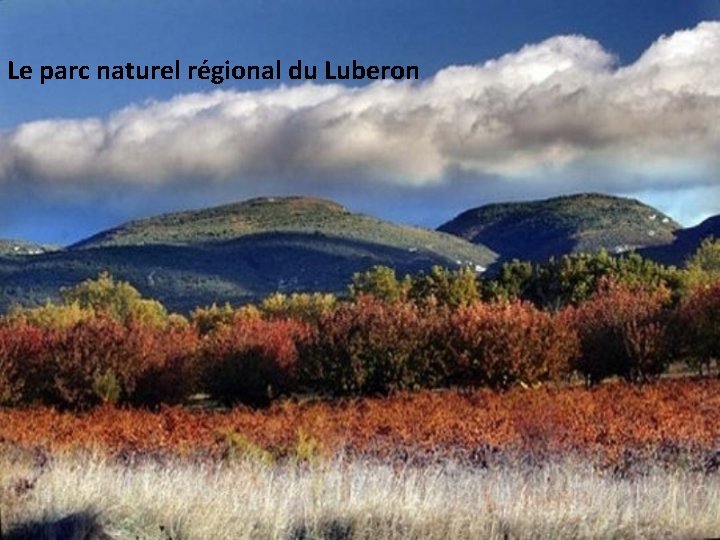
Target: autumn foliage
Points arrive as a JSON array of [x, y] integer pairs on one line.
[[252, 361], [107, 345], [96, 361], [623, 331], [23, 362], [500, 344], [698, 326], [373, 346], [612, 421]]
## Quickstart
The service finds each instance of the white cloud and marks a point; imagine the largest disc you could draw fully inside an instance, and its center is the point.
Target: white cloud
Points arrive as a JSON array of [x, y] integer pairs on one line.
[[562, 108]]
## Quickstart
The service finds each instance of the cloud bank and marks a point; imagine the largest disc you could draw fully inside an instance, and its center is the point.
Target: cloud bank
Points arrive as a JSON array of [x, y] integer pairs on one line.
[[561, 113]]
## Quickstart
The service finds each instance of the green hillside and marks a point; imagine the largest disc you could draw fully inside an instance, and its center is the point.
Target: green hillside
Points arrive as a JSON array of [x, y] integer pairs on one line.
[[538, 230], [282, 215], [237, 253]]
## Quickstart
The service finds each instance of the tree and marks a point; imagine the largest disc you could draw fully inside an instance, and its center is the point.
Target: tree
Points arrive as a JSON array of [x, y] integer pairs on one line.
[[623, 330], [707, 257], [703, 267], [301, 306], [698, 325], [449, 288], [511, 282], [50, 315], [380, 282], [118, 300], [573, 279]]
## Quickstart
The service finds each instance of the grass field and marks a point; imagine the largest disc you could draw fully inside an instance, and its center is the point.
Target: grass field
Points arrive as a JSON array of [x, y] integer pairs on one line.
[[615, 461], [92, 497]]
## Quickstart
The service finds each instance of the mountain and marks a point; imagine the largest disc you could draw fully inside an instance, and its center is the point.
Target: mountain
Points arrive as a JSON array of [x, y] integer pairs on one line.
[[237, 253], [685, 243], [286, 215], [538, 230]]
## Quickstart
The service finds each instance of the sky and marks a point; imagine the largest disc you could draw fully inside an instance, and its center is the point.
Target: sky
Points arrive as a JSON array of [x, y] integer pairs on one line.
[[517, 99]]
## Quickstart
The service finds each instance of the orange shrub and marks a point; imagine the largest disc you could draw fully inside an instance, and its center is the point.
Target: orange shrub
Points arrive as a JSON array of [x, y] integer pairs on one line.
[[499, 344], [251, 361], [623, 331]]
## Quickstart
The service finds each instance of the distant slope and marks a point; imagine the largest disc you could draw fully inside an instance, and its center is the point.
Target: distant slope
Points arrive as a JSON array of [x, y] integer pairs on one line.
[[685, 243], [539, 230], [283, 215], [17, 247], [237, 253]]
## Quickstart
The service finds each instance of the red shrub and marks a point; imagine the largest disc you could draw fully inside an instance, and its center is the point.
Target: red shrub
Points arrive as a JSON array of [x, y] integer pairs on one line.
[[371, 346], [251, 361], [623, 331], [101, 360], [23, 362], [698, 325], [501, 343], [169, 372], [93, 362]]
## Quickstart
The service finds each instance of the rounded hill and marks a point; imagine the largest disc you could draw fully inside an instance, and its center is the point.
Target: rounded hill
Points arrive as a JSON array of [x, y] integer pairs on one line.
[[239, 253], [285, 215], [538, 230]]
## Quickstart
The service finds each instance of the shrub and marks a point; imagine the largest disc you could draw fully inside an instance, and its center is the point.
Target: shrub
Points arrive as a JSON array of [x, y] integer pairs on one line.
[[706, 259], [498, 344], [251, 361], [623, 331], [239, 447], [380, 282], [50, 315], [574, 278], [299, 306], [116, 299], [698, 326], [170, 372], [102, 361], [208, 319], [449, 288], [371, 346], [23, 362], [85, 356]]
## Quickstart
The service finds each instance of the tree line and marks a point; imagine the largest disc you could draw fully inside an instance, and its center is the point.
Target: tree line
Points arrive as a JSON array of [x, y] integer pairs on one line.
[[594, 316]]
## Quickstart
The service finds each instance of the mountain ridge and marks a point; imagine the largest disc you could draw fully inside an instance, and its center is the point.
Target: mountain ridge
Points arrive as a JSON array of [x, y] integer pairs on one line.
[[238, 252], [242, 251]]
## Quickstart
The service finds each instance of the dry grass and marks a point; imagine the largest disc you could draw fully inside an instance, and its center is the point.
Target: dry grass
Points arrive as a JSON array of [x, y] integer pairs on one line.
[[94, 497]]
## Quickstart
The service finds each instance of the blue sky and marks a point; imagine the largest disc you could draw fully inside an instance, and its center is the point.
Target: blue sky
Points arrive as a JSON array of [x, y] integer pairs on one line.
[[63, 186]]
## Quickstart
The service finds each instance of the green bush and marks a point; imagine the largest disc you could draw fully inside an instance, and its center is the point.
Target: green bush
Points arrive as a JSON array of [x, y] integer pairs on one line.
[[446, 287], [299, 306], [382, 283], [117, 300]]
